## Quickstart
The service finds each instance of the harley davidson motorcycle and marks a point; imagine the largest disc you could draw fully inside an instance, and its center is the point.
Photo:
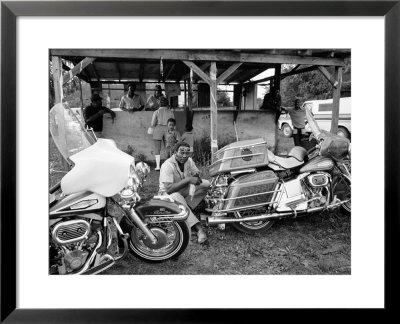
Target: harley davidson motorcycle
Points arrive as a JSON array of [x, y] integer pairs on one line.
[[84, 237], [251, 187]]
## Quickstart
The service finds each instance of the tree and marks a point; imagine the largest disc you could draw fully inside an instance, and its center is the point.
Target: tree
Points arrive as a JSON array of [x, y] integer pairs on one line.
[[223, 99]]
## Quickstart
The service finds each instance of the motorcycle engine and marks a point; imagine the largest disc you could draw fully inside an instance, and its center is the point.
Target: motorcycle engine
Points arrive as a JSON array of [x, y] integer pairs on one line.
[[217, 191], [318, 185], [71, 243]]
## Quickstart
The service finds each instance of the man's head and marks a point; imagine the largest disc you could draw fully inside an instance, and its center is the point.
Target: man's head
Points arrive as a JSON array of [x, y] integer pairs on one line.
[[164, 102], [182, 152], [131, 88], [158, 90], [171, 124], [96, 100]]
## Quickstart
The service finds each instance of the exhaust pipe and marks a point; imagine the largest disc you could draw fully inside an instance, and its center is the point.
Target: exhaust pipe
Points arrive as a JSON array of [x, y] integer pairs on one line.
[[213, 220]]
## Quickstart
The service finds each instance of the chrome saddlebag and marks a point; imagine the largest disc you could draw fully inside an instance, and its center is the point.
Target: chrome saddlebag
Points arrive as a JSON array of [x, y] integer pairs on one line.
[[253, 189]]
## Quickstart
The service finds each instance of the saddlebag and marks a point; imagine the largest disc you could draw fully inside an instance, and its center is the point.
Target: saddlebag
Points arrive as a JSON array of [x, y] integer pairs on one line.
[[250, 190], [240, 155]]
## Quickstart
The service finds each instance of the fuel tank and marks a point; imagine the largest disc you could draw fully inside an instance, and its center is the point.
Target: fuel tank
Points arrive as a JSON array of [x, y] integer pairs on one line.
[[240, 155], [319, 163], [83, 202]]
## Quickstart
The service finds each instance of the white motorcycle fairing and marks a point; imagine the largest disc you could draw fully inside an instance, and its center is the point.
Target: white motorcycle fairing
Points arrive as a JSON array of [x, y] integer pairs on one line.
[[101, 168]]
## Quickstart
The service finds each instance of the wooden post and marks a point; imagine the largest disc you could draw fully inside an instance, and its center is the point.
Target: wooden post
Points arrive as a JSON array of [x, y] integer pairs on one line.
[[213, 109], [57, 79], [336, 100], [184, 92], [190, 92]]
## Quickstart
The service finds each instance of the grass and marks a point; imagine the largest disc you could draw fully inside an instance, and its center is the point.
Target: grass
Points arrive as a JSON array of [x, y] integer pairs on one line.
[[316, 244]]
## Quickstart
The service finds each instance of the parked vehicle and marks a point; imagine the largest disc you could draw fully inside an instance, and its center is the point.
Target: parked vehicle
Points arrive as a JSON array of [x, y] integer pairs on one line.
[[251, 187], [322, 110], [84, 237]]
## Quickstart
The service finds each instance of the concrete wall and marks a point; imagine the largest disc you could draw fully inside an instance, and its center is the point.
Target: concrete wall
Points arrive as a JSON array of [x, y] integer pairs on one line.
[[131, 128]]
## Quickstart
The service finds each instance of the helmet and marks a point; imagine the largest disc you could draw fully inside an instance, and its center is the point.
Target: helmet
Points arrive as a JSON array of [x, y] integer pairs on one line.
[[298, 152]]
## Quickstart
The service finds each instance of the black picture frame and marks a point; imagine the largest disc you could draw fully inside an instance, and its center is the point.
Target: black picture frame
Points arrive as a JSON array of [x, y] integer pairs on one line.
[[10, 10]]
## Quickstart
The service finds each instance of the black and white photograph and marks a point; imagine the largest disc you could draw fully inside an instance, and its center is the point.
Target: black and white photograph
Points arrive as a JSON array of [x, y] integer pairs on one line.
[[200, 161], [191, 161]]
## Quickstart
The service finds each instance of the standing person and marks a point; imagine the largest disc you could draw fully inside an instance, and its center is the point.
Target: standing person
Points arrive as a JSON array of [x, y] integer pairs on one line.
[[272, 102], [171, 137], [188, 137], [176, 175], [93, 115], [131, 102], [153, 103], [159, 125], [298, 116]]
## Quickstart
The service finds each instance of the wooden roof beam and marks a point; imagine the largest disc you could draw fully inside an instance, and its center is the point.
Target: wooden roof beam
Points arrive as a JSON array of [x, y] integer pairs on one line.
[[78, 68], [228, 72], [202, 67], [328, 76], [284, 75], [171, 68], [198, 71], [200, 55]]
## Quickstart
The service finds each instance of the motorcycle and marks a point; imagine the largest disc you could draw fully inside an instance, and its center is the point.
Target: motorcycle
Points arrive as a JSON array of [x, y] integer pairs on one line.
[[85, 236], [251, 187]]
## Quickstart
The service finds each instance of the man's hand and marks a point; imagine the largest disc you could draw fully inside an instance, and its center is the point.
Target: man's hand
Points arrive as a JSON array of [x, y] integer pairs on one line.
[[194, 180]]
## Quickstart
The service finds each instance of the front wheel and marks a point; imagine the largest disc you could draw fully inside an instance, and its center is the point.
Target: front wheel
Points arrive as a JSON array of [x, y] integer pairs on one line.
[[172, 240], [252, 227]]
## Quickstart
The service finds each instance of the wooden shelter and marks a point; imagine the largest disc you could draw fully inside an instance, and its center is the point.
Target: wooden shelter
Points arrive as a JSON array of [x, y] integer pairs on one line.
[[211, 67]]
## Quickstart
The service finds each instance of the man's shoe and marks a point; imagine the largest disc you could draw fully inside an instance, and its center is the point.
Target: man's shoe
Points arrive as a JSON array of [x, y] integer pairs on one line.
[[201, 236], [157, 169]]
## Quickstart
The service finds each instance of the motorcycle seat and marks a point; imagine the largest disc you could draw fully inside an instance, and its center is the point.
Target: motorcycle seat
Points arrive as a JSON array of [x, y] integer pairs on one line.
[[286, 163]]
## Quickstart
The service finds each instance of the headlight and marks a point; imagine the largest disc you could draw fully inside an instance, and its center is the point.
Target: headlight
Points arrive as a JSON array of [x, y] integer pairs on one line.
[[142, 170]]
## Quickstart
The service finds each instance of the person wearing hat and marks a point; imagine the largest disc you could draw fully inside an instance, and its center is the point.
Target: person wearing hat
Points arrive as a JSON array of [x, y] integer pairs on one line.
[[93, 115], [159, 126], [131, 102], [153, 103]]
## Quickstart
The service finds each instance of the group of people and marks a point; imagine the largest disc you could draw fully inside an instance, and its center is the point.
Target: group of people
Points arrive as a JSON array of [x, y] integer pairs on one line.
[[272, 102], [179, 172]]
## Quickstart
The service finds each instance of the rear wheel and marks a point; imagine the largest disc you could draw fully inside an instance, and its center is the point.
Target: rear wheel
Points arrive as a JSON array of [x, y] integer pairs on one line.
[[287, 130], [252, 227], [172, 240], [341, 188]]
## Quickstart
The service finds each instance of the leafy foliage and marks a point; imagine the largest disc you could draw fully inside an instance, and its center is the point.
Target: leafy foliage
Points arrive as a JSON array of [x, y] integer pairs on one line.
[[305, 86]]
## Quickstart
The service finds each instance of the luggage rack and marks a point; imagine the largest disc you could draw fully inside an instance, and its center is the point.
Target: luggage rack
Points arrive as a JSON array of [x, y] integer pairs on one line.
[[223, 150]]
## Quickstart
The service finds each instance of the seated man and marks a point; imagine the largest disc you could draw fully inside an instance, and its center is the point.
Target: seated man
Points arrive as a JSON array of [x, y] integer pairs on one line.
[[176, 175]]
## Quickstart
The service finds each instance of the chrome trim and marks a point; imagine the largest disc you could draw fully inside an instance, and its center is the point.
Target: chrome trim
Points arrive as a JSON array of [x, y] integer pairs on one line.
[[239, 147], [183, 215], [251, 170], [235, 157], [246, 196], [244, 208], [67, 223], [220, 220], [91, 257], [142, 226]]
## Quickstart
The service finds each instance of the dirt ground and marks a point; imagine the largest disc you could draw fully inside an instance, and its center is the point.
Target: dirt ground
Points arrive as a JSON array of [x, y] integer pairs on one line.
[[315, 244]]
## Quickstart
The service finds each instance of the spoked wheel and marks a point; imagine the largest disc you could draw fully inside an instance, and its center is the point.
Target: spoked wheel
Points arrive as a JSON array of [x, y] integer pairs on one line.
[[342, 189], [252, 227], [172, 240]]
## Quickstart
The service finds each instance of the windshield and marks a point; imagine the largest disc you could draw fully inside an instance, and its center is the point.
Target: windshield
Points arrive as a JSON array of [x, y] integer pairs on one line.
[[67, 131], [312, 123]]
